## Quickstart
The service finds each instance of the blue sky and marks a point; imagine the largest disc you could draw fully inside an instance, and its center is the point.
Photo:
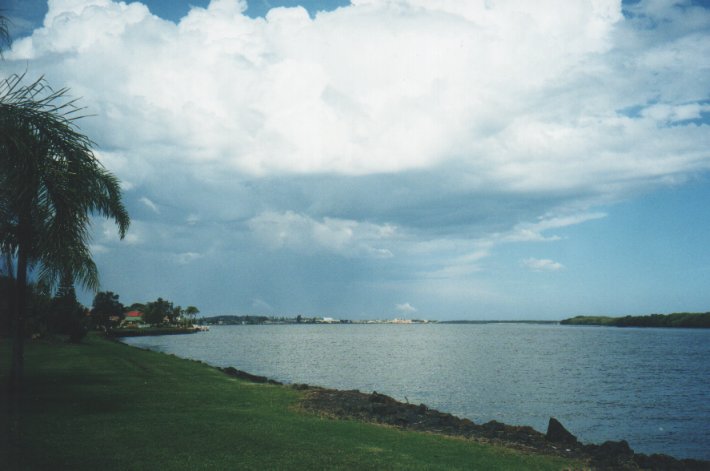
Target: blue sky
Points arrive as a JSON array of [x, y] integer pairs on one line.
[[442, 160]]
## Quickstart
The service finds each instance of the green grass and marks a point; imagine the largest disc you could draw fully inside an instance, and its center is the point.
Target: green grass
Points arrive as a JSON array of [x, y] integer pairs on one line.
[[103, 405]]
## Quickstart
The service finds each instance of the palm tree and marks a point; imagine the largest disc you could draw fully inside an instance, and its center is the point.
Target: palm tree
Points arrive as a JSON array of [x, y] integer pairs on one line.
[[192, 312], [50, 185]]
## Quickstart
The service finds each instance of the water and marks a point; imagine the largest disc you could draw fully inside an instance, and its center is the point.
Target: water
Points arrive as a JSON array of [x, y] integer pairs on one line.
[[650, 387]]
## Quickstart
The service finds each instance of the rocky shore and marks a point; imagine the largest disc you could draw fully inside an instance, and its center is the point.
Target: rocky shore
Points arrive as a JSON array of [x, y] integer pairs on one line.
[[382, 409]]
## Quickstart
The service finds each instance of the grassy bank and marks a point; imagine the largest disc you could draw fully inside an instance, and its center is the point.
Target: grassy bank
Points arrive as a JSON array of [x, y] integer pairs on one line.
[[104, 405]]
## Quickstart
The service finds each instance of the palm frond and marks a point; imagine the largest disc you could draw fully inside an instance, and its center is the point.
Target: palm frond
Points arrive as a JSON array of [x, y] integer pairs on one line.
[[51, 178]]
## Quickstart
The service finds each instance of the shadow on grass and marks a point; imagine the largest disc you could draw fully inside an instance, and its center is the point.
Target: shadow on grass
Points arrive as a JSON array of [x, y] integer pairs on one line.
[[70, 390]]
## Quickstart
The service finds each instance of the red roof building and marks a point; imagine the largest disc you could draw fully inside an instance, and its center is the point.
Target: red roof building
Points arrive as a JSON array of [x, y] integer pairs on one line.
[[133, 319]]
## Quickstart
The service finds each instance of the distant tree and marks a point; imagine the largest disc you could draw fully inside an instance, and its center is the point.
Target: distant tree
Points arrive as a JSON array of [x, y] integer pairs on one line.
[[174, 314], [299, 319], [157, 311], [191, 312], [39, 300], [137, 307], [105, 306], [39, 308], [66, 315]]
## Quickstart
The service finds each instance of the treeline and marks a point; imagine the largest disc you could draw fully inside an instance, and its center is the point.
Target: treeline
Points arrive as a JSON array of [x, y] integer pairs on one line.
[[47, 311], [492, 322], [163, 312], [679, 319], [51, 312]]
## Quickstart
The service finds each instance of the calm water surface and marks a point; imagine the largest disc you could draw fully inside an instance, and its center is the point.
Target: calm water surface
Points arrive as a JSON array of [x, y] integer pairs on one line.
[[650, 387]]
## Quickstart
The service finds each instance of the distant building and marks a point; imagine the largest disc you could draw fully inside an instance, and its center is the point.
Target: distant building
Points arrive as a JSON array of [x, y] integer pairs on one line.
[[133, 319], [401, 321]]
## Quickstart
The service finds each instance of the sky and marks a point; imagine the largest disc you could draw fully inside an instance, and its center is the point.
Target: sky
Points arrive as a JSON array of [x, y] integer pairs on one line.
[[432, 159]]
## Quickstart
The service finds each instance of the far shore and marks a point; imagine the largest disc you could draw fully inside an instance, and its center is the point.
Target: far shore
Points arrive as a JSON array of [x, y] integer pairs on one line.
[[682, 319], [685, 320]]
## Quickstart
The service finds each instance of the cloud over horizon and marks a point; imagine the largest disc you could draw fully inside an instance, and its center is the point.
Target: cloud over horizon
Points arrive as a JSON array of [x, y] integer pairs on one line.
[[413, 139]]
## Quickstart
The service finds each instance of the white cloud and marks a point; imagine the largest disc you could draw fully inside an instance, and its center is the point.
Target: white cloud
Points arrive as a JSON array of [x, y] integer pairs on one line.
[[533, 232], [542, 264], [503, 88], [109, 236], [664, 113], [185, 258], [460, 266], [302, 233], [406, 308], [461, 259], [150, 205]]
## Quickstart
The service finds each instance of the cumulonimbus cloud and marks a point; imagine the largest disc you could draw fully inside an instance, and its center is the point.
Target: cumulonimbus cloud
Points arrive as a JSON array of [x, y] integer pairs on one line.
[[416, 135], [524, 96]]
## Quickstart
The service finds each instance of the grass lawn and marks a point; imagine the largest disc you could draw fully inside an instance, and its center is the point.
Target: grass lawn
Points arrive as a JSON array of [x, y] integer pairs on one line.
[[103, 405]]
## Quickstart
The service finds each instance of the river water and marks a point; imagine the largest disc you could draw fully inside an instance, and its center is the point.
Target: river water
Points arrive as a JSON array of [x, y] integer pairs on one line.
[[650, 387]]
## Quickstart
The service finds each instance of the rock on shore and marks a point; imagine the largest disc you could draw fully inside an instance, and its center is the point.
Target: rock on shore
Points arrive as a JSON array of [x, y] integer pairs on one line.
[[379, 408], [383, 409]]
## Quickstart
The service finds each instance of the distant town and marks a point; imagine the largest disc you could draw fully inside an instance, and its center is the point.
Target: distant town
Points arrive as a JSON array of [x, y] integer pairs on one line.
[[687, 320], [261, 320]]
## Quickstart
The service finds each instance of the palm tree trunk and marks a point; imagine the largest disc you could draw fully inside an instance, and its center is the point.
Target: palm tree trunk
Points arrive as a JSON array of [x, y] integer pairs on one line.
[[18, 336], [15, 402]]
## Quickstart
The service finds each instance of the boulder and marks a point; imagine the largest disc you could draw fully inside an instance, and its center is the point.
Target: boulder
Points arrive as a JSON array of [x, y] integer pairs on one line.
[[231, 371], [557, 433], [612, 455]]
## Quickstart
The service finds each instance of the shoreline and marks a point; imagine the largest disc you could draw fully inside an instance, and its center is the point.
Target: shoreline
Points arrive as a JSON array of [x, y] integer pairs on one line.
[[150, 332], [150, 399], [558, 441], [384, 410]]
